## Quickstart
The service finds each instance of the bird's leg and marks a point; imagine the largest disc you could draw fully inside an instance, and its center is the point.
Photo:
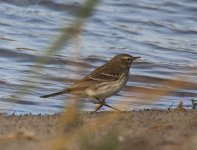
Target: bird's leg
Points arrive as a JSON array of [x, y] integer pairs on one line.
[[112, 107], [105, 104], [99, 99], [99, 107], [101, 103]]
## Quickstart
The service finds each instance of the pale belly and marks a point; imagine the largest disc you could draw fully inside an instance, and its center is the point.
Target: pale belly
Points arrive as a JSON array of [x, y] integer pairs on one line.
[[105, 89]]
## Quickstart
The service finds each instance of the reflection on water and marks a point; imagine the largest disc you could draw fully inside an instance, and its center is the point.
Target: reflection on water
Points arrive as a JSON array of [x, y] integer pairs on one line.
[[163, 33]]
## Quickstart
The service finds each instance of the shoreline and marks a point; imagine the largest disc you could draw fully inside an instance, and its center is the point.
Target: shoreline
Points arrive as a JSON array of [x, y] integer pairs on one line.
[[149, 129]]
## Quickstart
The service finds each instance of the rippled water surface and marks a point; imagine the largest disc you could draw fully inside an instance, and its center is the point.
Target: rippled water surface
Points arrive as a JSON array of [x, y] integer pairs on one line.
[[163, 33]]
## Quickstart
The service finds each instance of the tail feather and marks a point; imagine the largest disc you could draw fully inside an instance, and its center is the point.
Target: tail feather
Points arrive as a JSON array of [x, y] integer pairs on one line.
[[54, 94]]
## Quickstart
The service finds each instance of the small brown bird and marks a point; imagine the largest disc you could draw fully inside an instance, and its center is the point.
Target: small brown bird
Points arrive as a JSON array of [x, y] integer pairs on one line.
[[103, 82]]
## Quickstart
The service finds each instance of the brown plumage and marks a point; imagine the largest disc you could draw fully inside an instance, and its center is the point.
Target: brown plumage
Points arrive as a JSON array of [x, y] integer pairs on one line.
[[103, 82]]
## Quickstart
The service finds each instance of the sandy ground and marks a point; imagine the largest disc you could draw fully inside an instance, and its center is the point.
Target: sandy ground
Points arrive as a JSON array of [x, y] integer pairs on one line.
[[148, 130]]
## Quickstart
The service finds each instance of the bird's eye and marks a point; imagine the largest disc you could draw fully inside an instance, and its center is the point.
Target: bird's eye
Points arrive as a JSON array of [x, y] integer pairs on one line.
[[128, 59]]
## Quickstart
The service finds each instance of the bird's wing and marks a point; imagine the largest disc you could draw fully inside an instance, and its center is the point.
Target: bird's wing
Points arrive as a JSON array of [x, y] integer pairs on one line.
[[104, 76], [106, 73]]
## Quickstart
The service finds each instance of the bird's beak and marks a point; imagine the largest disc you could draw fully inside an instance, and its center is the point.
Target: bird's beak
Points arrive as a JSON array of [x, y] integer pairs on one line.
[[136, 58]]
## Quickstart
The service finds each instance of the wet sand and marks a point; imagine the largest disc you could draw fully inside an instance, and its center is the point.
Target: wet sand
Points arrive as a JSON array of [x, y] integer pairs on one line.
[[150, 130]]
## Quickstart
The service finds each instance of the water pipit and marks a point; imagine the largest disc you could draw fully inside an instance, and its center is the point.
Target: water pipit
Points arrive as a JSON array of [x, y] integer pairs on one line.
[[103, 82]]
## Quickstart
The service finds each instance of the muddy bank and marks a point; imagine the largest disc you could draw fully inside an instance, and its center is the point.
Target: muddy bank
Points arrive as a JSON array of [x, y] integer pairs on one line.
[[130, 130]]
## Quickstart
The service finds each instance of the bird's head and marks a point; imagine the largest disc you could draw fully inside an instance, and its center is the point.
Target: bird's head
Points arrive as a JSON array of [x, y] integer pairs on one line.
[[125, 59]]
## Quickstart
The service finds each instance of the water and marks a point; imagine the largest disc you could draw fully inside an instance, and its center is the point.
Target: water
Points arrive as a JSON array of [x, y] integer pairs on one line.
[[163, 33]]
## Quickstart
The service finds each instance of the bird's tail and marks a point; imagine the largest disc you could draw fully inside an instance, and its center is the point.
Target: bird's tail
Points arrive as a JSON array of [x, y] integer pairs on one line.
[[54, 94]]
